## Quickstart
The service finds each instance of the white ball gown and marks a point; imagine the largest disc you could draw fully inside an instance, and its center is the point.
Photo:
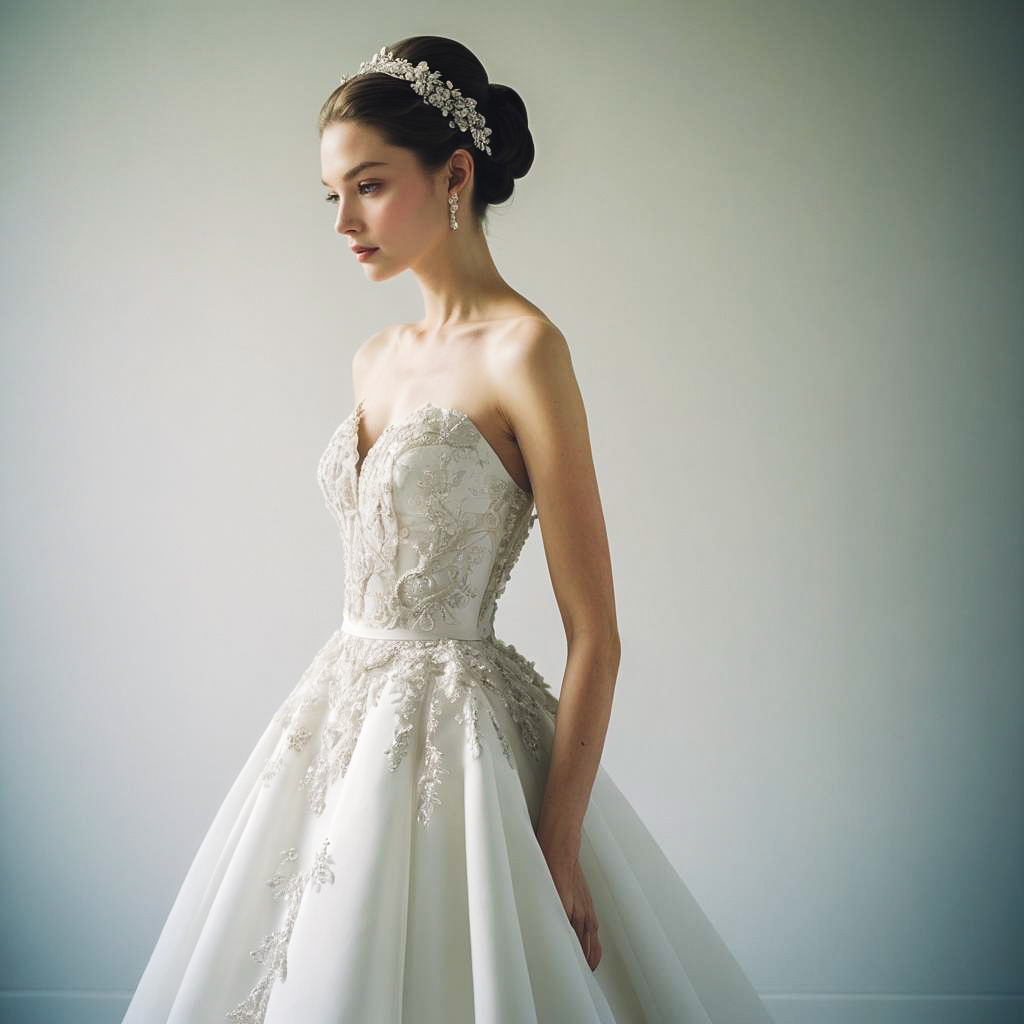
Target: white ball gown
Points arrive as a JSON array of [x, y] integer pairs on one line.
[[375, 861]]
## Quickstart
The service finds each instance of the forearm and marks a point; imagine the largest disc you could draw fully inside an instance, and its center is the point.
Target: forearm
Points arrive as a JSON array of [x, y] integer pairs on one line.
[[581, 724]]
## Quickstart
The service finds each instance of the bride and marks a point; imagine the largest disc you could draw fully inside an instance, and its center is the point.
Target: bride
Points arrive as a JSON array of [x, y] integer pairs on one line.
[[485, 349], [486, 868]]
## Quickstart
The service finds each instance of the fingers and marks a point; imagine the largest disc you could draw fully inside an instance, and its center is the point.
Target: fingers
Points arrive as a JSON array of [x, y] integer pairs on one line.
[[579, 908], [592, 949], [578, 920], [584, 923]]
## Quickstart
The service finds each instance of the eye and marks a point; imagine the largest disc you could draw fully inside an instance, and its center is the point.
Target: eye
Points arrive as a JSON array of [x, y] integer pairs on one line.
[[332, 197]]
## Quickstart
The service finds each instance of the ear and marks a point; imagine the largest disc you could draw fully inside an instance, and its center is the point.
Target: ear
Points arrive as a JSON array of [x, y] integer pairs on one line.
[[460, 167]]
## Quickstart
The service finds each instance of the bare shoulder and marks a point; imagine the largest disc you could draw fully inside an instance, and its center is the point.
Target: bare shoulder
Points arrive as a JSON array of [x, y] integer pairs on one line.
[[530, 366], [524, 342], [367, 355]]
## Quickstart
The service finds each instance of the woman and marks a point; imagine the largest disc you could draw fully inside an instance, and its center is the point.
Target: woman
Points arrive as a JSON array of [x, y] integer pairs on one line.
[[439, 840]]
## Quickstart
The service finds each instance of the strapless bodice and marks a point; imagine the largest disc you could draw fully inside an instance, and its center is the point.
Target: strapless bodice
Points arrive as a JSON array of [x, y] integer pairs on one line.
[[431, 523]]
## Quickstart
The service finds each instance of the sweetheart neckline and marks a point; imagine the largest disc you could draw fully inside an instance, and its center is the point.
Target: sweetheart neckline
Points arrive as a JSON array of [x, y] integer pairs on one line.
[[357, 413]]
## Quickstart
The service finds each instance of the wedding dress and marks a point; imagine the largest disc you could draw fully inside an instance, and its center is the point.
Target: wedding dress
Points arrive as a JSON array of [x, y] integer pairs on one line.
[[375, 861]]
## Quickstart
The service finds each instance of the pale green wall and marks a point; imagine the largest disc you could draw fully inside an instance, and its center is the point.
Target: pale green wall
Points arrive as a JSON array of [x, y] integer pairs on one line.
[[784, 241]]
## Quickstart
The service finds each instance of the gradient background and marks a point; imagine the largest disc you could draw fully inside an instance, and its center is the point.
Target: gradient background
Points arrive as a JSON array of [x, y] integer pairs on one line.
[[784, 241]]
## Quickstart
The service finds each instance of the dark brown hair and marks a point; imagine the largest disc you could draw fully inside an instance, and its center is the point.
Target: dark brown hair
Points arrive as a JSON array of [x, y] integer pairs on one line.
[[403, 118]]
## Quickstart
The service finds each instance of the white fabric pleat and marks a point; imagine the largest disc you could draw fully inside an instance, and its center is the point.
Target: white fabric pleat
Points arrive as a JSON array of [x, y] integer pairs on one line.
[[452, 922]]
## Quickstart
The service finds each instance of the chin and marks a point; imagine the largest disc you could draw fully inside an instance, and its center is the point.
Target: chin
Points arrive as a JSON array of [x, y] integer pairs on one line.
[[375, 273]]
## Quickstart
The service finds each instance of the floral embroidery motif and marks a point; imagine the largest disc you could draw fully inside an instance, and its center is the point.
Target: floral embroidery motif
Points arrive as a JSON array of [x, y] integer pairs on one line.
[[349, 676], [462, 510], [298, 738], [432, 525], [273, 951]]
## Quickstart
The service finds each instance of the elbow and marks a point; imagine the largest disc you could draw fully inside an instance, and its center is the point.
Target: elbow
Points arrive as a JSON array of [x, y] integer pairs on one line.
[[603, 639], [614, 643]]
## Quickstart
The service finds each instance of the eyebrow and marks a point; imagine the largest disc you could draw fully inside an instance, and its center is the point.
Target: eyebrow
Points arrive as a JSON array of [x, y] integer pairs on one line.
[[349, 175]]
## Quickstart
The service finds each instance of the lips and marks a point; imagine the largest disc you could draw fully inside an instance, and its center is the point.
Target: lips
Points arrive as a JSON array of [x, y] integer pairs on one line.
[[362, 248]]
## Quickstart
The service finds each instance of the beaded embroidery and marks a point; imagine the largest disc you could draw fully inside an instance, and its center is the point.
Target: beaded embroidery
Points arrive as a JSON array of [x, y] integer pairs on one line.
[[466, 509], [348, 676], [273, 951], [459, 532]]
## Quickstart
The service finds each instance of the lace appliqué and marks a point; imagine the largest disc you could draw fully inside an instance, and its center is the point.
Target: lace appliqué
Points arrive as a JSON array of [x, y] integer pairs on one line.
[[460, 510], [349, 676], [449, 538], [273, 951], [329, 705]]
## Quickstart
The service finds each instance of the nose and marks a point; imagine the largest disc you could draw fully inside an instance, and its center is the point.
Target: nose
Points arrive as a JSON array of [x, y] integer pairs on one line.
[[345, 221]]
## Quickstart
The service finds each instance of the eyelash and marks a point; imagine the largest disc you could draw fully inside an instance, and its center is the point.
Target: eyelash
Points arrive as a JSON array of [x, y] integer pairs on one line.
[[333, 198]]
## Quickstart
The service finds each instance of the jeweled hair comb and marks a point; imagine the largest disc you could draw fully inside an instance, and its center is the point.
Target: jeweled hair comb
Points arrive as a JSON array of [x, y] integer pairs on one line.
[[429, 85]]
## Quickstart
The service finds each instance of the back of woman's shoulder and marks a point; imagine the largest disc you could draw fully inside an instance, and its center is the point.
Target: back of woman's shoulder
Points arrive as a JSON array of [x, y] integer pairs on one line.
[[529, 344], [528, 334]]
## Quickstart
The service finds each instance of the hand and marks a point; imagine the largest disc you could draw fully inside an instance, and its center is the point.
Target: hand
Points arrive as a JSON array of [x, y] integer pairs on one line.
[[575, 895]]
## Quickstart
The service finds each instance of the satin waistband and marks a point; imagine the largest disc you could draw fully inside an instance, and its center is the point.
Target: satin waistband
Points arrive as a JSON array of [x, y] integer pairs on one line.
[[399, 633]]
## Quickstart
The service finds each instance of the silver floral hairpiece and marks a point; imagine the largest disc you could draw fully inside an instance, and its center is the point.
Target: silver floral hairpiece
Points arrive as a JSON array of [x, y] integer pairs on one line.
[[427, 84]]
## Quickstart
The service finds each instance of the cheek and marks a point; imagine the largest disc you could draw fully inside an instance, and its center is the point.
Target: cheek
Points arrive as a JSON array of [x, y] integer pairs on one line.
[[399, 212]]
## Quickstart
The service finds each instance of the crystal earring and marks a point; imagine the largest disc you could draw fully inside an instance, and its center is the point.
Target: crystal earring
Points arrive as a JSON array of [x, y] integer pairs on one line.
[[453, 208]]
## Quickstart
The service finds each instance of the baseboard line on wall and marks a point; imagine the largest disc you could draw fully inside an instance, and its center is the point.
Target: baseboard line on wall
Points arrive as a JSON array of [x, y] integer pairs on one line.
[[107, 1006], [894, 1007]]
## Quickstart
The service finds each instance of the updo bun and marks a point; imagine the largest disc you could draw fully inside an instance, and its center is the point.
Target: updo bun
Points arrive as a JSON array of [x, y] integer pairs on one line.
[[392, 107], [511, 143]]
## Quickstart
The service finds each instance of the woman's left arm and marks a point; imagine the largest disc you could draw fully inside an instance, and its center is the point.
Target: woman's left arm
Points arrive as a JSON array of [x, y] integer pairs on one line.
[[541, 401]]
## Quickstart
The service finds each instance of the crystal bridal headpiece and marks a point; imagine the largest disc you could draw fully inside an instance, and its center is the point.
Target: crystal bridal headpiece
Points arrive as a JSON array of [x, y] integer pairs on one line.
[[427, 84]]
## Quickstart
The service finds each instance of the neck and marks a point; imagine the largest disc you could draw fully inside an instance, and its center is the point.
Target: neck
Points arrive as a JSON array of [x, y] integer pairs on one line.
[[459, 280]]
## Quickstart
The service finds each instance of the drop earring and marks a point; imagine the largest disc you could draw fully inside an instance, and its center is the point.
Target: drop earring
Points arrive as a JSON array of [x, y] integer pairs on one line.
[[453, 208]]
